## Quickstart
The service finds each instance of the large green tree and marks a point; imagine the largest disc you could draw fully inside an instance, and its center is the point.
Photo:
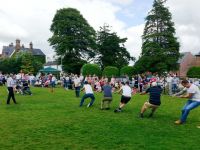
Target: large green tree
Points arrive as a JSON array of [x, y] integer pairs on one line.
[[160, 48], [111, 49], [73, 39], [22, 61]]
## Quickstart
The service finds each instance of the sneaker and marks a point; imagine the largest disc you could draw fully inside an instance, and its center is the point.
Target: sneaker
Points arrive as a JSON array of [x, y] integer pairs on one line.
[[117, 110], [88, 105], [141, 115], [178, 122], [150, 115]]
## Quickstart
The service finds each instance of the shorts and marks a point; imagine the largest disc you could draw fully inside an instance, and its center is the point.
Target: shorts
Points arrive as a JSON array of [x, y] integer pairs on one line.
[[125, 99], [149, 105], [107, 99]]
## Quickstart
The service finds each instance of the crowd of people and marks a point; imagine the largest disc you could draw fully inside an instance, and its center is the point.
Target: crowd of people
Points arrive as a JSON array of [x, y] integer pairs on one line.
[[145, 83]]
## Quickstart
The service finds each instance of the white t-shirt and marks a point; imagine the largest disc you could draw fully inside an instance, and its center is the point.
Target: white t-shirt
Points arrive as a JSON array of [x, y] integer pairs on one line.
[[126, 91], [169, 79], [10, 82], [53, 79], [195, 91], [88, 89], [77, 82], [18, 76]]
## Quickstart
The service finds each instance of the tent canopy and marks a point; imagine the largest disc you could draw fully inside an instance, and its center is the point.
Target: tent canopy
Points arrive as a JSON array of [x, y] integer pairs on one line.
[[49, 70]]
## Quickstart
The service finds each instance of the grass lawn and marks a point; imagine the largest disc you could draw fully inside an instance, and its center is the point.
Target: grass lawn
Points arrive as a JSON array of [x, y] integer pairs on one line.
[[53, 121]]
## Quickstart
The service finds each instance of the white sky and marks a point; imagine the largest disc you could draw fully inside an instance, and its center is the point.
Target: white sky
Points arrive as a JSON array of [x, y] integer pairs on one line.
[[30, 20]]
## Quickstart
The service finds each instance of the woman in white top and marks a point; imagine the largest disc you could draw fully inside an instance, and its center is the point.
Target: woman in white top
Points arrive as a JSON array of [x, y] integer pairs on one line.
[[126, 96]]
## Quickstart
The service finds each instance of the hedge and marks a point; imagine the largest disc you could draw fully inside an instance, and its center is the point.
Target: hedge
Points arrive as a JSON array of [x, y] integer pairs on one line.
[[91, 69], [194, 72], [127, 70], [110, 71]]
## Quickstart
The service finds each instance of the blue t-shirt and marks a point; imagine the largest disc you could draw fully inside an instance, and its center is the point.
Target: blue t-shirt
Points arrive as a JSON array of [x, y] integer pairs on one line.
[[107, 90], [155, 93]]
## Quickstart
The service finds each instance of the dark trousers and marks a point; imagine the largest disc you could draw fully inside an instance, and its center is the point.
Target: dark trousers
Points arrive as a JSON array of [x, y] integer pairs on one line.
[[88, 96], [11, 95], [77, 91]]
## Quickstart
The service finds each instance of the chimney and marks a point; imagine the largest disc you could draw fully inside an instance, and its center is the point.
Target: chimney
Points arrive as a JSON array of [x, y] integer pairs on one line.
[[11, 45], [17, 46], [31, 46]]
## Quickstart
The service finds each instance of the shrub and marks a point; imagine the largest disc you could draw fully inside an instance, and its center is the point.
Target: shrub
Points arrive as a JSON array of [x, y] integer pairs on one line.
[[110, 71], [127, 70], [91, 69], [194, 72]]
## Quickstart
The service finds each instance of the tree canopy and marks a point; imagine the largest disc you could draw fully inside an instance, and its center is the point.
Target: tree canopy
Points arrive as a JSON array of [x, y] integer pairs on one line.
[[22, 61], [160, 48], [73, 38], [111, 50]]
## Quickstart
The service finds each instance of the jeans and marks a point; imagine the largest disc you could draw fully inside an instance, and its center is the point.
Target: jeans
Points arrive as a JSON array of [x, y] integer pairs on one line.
[[174, 88], [77, 91], [87, 96], [66, 84], [53, 84], [191, 104]]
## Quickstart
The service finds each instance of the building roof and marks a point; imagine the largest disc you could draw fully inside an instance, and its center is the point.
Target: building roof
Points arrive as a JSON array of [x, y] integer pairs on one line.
[[8, 50], [198, 54]]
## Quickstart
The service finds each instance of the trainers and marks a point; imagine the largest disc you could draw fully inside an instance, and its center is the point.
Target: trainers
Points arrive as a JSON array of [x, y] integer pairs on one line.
[[117, 110], [88, 105], [178, 122], [141, 115], [150, 115]]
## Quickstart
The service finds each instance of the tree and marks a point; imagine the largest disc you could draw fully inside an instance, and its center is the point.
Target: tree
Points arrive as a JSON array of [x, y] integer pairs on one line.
[[160, 49], [127, 70], [110, 71], [111, 50], [91, 69], [73, 38], [24, 61], [194, 72], [9, 65]]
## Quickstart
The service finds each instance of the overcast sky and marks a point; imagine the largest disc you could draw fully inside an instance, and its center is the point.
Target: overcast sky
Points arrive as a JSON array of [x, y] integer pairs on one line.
[[30, 20]]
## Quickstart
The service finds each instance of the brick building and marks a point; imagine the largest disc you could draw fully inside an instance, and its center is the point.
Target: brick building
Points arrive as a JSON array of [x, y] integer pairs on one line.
[[186, 61]]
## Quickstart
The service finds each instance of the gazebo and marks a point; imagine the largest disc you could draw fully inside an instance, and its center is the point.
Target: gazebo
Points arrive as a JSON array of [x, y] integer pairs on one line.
[[50, 70]]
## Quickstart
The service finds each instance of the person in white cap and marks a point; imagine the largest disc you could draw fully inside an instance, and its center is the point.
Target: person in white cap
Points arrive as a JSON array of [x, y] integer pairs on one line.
[[154, 99]]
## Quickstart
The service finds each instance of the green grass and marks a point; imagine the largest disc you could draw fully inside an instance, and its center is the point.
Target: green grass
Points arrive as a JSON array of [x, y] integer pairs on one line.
[[53, 121]]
